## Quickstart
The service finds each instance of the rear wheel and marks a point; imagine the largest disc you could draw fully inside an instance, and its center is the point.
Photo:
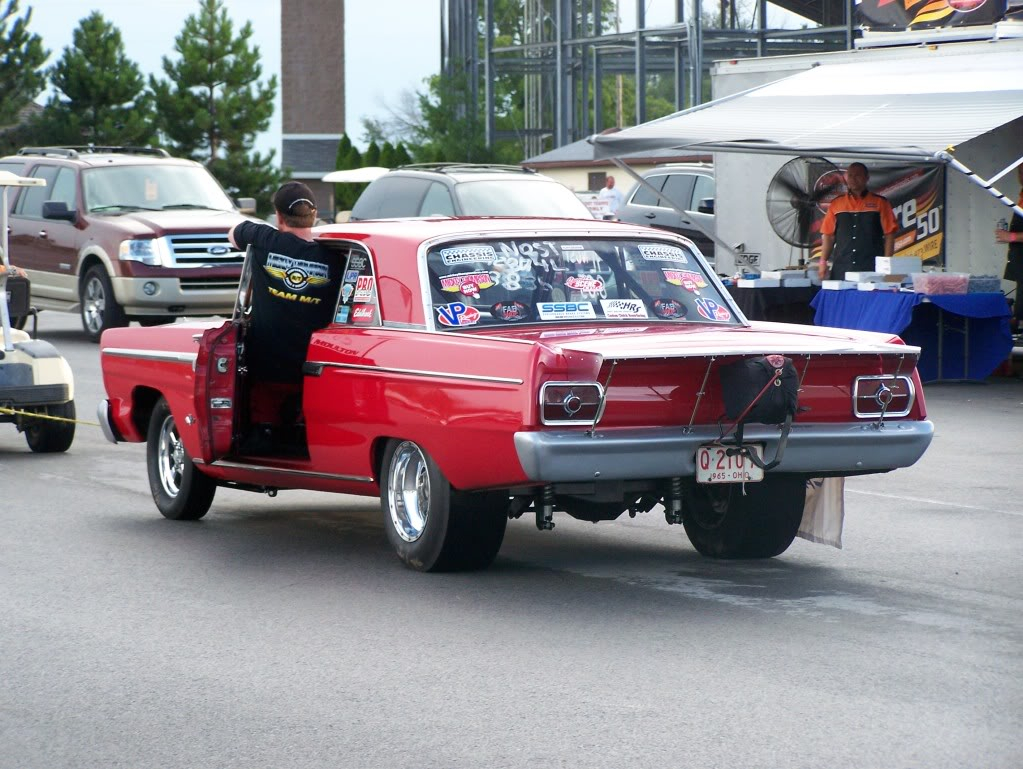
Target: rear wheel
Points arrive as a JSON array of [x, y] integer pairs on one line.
[[99, 309], [50, 436], [723, 522], [180, 490], [431, 526]]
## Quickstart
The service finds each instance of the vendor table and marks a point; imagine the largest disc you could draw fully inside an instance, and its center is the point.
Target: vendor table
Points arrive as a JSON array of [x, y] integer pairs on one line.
[[961, 336], [784, 305]]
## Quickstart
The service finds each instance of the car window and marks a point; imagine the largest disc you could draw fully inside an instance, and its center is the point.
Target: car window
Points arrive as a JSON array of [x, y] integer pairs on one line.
[[497, 282], [437, 202], [519, 197], [31, 202], [391, 196], [116, 189], [678, 189], [644, 195], [702, 188], [358, 301], [63, 189]]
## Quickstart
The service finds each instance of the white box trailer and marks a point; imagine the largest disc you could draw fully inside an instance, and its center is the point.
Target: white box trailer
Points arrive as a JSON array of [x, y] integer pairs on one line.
[[957, 105]]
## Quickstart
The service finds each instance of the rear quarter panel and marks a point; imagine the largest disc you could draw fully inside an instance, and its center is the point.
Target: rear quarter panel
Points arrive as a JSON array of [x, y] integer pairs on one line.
[[461, 397]]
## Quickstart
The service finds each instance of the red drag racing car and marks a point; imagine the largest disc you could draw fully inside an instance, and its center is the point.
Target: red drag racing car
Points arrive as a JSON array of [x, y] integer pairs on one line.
[[480, 369]]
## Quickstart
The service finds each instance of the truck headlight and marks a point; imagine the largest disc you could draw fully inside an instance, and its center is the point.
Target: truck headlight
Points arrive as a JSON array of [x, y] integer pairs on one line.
[[147, 251]]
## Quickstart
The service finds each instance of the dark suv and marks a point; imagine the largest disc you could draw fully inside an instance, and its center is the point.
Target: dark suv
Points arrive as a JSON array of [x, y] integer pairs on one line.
[[452, 189], [689, 185], [121, 234]]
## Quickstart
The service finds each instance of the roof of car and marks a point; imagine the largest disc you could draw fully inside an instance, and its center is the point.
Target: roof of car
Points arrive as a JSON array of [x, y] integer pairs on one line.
[[458, 170], [420, 229], [100, 155]]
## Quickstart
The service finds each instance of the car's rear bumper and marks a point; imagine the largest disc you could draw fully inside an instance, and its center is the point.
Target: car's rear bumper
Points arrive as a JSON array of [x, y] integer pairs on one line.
[[632, 454]]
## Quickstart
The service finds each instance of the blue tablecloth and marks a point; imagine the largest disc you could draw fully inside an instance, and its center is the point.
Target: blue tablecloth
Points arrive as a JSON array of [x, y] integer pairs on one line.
[[968, 334]]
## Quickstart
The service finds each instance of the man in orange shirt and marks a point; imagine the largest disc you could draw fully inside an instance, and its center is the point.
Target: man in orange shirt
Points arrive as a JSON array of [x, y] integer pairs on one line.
[[859, 225]]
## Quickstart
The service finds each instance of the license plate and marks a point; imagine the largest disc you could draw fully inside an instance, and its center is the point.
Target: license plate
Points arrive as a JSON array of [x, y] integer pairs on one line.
[[714, 464]]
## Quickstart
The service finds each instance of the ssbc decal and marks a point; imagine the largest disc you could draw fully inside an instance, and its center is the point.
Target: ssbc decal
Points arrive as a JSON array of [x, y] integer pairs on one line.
[[509, 311], [623, 308], [468, 283], [566, 310], [711, 310], [457, 314]]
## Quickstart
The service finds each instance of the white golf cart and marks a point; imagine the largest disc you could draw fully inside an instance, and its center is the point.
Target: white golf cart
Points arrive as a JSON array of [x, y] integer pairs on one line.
[[37, 388]]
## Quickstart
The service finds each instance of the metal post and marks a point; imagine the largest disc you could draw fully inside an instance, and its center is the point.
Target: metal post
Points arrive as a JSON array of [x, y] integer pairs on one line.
[[488, 72], [640, 63]]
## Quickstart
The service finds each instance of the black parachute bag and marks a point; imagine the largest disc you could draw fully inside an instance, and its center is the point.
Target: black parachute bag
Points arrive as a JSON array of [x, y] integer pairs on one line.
[[763, 390]]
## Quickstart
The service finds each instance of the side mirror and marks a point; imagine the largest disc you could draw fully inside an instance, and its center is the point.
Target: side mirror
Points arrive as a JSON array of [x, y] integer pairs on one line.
[[57, 209], [706, 206], [247, 205]]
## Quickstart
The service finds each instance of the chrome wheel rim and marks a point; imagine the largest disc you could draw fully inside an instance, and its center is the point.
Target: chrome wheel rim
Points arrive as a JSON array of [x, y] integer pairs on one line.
[[408, 492], [94, 303], [170, 458]]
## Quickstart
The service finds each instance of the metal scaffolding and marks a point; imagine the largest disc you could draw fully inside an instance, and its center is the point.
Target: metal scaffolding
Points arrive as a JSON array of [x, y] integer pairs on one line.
[[569, 51]]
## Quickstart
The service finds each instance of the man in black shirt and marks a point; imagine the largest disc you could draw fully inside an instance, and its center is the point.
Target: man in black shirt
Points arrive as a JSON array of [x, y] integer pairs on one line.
[[294, 286]]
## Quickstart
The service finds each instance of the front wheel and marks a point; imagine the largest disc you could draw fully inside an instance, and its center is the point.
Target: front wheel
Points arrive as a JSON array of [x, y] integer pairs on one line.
[[758, 521], [181, 491], [430, 525], [51, 436], [99, 308]]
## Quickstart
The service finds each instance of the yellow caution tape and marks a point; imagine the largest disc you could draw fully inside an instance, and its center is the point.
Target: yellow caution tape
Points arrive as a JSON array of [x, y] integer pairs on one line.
[[36, 415]]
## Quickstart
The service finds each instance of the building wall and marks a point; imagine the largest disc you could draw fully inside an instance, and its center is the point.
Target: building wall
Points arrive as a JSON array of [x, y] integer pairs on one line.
[[312, 92]]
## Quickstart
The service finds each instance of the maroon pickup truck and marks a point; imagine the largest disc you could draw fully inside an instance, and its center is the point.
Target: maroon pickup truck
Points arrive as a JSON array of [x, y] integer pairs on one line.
[[121, 234]]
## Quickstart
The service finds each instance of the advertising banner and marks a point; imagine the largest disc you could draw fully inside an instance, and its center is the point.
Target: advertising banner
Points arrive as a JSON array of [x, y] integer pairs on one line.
[[926, 14], [917, 195]]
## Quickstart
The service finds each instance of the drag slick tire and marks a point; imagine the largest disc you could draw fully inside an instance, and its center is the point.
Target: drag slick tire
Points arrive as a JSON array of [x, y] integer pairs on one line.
[[180, 490], [430, 525], [45, 436], [722, 522]]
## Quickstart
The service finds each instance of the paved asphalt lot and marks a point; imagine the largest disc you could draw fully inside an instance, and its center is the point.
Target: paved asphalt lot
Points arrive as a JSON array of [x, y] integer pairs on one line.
[[284, 633]]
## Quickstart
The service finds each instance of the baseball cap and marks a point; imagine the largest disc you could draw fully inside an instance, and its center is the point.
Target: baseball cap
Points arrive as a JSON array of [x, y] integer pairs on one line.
[[291, 194]]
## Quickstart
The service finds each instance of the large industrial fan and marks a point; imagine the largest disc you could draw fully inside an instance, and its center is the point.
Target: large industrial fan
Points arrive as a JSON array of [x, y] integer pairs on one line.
[[796, 193]]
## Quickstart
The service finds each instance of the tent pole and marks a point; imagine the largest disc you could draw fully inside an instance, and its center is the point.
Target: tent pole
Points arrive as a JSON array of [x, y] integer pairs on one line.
[[984, 184]]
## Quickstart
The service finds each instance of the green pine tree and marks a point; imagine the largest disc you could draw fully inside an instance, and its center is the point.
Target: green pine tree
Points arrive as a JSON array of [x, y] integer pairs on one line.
[[21, 70], [371, 157], [212, 104], [348, 157], [99, 93]]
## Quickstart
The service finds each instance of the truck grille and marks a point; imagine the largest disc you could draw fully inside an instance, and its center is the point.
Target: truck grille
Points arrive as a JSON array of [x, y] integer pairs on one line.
[[201, 249]]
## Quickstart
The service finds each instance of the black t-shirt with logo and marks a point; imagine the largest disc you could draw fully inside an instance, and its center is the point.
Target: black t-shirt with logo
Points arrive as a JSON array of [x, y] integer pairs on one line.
[[294, 290]]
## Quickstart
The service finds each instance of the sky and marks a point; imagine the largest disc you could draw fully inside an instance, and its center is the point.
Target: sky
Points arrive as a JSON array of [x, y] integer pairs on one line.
[[391, 46], [384, 56]]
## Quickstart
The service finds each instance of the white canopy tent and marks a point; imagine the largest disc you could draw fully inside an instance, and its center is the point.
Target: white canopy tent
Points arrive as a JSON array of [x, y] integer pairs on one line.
[[919, 111]]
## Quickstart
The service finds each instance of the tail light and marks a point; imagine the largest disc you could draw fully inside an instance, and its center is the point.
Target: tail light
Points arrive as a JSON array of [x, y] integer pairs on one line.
[[570, 403], [891, 396]]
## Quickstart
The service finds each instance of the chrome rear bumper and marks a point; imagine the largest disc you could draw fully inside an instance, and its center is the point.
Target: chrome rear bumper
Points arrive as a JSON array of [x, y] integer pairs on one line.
[[633, 454]]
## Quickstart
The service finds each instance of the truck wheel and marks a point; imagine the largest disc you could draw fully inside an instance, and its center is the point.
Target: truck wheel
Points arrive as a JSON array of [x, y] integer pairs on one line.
[[180, 490], [45, 436], [431, 526], [99, 309], [722, 522]]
